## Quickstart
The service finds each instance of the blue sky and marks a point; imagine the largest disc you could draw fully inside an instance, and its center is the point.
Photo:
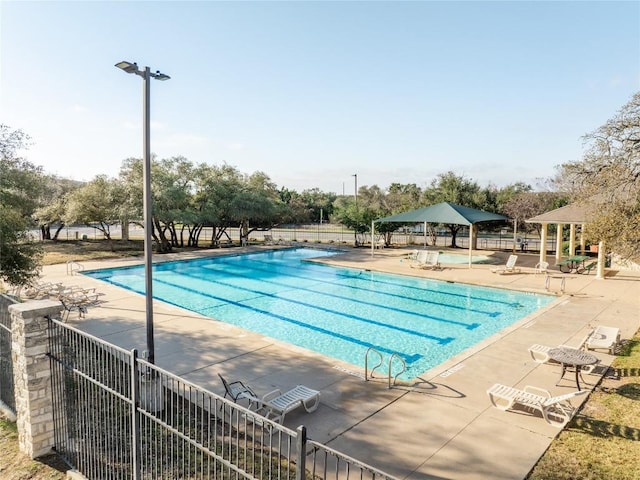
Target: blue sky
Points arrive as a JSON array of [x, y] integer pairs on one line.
[[314, 92]]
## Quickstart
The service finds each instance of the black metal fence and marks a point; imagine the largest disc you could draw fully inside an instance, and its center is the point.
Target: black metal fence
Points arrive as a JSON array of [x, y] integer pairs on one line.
[[338, 234], [7, 393], [119, 417]]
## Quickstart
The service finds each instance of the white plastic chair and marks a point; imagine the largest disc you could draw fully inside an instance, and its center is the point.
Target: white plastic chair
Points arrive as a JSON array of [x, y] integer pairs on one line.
[[509, 267], [556, 411], [275, 404], [541, 267]]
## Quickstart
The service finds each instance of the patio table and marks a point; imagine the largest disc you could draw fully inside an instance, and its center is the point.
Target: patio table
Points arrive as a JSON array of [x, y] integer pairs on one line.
[[570, 264], [572, 358]]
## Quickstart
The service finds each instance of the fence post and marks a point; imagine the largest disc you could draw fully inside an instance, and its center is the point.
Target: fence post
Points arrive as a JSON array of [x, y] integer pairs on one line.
[[301, 446], [135, 418], [32, 374]]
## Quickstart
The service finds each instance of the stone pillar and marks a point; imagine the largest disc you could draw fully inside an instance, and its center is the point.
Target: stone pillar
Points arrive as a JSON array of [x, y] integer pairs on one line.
[[32, 374]]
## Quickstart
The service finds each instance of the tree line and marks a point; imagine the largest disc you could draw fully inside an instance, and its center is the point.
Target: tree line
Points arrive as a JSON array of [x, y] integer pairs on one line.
[[188, 197]]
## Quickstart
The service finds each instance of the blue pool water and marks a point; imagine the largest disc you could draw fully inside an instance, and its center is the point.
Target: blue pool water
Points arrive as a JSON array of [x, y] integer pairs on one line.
[[337, 312]]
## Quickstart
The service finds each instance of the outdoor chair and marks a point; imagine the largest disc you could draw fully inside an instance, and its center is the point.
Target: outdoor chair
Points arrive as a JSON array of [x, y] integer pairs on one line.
[[606, 338], [40, 289], [234, 390], [541, 267], [275, 404], [76, 298], [540, 354], [426, 260], [509, 267], [556, 411]]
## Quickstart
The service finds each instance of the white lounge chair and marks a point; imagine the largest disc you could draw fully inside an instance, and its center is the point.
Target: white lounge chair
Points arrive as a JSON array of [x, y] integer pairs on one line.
[[275, 405], [40, 289], [602, 337], [540, 353], [427, 260], [556, 411], [509, 267]]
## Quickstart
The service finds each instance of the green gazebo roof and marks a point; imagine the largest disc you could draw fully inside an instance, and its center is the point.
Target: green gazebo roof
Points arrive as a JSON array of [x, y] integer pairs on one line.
[[444, 212]]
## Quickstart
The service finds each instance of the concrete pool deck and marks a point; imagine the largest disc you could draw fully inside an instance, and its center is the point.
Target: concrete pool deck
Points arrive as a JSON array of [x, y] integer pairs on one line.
[[441, 426]]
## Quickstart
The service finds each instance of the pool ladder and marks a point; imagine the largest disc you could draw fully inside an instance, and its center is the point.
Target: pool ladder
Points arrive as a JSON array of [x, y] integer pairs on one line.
[[380, 362]]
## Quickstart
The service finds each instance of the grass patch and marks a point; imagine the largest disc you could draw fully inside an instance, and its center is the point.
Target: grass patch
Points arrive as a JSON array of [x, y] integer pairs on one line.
[[14, 465], [602, 442], [62, 251]]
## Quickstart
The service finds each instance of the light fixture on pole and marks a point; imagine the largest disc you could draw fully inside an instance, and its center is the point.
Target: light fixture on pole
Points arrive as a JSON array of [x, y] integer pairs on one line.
[[146, 75]]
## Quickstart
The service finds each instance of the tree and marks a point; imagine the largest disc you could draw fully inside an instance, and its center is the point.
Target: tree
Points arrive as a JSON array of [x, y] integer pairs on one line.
[[52, 205], [608, 180], [214, 190], [319, 204], [355, 217], [20, 184], [401, 198], [97, 204], [529, 204], [257, 205]]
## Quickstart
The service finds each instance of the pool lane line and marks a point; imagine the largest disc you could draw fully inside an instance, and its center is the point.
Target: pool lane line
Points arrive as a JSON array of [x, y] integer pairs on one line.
[[440, 340], [203, 277], [247, 275], [306, 262], [362, 289], [411, 357]]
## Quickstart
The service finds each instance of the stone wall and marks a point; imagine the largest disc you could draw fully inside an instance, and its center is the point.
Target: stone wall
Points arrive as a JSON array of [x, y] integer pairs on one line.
[[32, 374]]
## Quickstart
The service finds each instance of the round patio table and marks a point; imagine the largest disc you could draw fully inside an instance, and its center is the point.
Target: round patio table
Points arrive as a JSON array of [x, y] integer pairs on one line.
[[572, 358]]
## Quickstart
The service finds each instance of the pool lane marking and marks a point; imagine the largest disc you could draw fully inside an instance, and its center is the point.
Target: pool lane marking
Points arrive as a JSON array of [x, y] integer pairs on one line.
[[368, 290], [319, 266], [409, 358], [440, 340], [278, 296]]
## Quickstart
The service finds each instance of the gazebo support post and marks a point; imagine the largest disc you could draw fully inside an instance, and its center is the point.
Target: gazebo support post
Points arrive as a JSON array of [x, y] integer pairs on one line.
[[372, 242], [470, 243], [572, 239], [544, 231], [601, 261], [424, 234], [559, 243]]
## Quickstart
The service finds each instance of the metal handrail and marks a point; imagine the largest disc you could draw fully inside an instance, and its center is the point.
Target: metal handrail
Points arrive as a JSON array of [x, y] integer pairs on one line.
[[366, 363], [404, 368]]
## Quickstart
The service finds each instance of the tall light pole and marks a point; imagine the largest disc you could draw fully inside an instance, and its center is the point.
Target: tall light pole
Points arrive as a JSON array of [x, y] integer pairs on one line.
[[146, 177], [355, 191]]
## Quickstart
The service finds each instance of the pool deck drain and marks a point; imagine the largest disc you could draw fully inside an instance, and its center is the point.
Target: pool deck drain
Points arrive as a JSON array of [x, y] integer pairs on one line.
[[442, 427]]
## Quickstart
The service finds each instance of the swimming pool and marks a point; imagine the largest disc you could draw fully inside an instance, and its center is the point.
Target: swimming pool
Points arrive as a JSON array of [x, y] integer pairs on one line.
[[337, 312]]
